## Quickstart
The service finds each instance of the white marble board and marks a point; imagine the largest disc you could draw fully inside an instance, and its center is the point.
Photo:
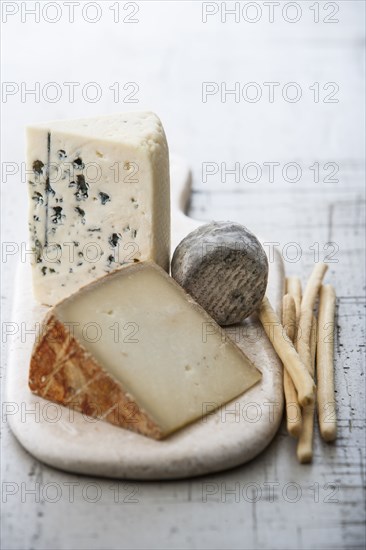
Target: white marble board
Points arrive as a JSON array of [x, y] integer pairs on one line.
[[232, 435]]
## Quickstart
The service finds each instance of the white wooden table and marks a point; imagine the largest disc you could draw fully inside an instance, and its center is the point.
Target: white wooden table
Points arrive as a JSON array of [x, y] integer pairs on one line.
[[163, 62]]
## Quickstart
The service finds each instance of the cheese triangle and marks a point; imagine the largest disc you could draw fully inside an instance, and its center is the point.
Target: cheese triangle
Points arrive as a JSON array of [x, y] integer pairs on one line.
[[134, 349]]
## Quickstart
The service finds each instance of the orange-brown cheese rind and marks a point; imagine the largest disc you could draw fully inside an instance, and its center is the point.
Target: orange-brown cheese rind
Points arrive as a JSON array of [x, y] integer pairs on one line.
[[62, 371]]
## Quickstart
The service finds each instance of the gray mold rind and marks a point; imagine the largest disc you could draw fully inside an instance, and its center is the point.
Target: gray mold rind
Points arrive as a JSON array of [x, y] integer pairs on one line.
[[223, 266]]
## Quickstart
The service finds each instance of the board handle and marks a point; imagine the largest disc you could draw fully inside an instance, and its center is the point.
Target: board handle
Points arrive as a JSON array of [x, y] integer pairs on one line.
[[180, 194]]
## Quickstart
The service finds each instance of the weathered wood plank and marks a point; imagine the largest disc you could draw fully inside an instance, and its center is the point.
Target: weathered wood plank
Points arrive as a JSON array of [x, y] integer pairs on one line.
[[169, 54]]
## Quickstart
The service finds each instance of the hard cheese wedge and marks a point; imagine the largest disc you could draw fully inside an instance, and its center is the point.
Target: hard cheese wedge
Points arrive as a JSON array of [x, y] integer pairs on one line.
[[99, 199], [133, 348]]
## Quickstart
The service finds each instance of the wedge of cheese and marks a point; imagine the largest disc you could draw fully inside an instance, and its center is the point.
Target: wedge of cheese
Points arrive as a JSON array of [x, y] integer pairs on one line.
[[99, 199], [134, 349]]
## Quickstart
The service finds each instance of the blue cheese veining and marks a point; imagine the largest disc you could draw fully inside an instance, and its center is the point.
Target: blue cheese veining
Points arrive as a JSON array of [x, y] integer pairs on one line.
[[99, 199]]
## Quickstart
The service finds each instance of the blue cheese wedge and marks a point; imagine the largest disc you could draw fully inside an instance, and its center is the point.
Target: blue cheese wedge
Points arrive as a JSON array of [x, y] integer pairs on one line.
[[134, 349], [99, 199]]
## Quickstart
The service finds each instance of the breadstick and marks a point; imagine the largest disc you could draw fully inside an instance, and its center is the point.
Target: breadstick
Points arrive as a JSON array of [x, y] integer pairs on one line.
[[293, 287], [289, 316], [305, 443], [301, 378], [306, 313], [289, 323], [313, 344], [325, 369]]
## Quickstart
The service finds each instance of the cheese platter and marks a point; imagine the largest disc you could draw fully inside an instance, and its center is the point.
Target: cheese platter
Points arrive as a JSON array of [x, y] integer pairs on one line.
[[76, 442]]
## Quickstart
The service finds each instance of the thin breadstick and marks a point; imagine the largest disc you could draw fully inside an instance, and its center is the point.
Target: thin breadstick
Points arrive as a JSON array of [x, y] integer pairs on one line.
[[325, 370], [293, 287], [289, 316], [301, 378], [305, 443], [313, 344], [289, 323], [306, 313]]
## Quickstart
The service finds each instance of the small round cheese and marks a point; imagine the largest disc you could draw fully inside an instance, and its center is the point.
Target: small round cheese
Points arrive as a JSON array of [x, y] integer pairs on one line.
[[223, 266]]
